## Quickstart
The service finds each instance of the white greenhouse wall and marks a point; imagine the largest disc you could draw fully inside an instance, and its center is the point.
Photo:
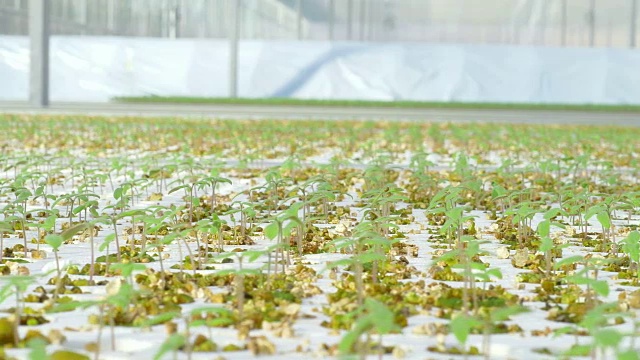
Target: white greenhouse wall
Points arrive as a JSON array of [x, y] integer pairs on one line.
[[99, 68]]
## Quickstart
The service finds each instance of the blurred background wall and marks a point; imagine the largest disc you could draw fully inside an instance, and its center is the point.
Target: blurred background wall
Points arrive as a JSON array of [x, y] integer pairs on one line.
[[609, 23], [601, 31]]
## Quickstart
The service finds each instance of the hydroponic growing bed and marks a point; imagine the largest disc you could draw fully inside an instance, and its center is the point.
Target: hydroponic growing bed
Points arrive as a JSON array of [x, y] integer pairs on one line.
[[162, 238]]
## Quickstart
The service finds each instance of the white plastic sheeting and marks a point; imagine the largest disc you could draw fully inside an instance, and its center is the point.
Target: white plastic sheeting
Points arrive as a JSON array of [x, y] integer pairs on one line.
[[99, 68]]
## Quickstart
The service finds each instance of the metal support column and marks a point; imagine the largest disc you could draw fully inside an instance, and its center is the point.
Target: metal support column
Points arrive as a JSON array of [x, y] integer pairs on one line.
[[563, 23], [299, 19], [332, 19], [633, 24], [363, 18], [349, 18], [39, 56], [592, 23], [371, 20], [234, 31]]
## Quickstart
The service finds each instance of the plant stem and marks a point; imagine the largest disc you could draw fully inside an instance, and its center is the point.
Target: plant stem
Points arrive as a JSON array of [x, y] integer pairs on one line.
[[92, 268], [100, 329], [486, 339], [16, 324], [193, 264], [56, 291], [115, 232], [112, 330], [239, 282]]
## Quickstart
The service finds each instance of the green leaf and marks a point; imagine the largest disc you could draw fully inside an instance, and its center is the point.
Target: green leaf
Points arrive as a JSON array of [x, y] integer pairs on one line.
[[504, 314], [604, 219], [348, 340], [439, 196], [220, 322], [633, 237], [601, 287], [449, 255], [546, 244], [70, 232], [160, 319], [117, 193], [72, 305], [67, 355], [50, 222], [53, 240], [339, 263], [107, 240], [461, 326], [38, 349], [252, 255], [592, 211], [376, 239], [271, 230], [579, 350], [553, 212], [543, 228], [383, 318], [595, 318], [173, 343], [368, 257], [563, 330], [293, 209], [608, 338], [629, 355], [6, 226], [476, 266], [631, 245], [211, 310], [455, 214], [134, 212], [569, 261], [177, 188], [128, 269], [123, 297], [495, 273]]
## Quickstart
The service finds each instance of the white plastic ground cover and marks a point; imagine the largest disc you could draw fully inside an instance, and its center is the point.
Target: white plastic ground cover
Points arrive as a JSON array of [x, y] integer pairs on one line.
[[99, 68], [137, 343]]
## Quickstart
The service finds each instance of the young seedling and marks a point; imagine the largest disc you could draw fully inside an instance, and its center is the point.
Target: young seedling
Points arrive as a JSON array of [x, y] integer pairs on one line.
[[240, 273], [172, 344], [55, 241], [596, 322], [469, 248], [604, 218], [16, 285], [489, 321], [213, 182], [276, 230], [373, 317], [581, 277], [275, 182], [631, 246], [223, 317], [6, 227], [461, 326], [546, 243], [361, 244]]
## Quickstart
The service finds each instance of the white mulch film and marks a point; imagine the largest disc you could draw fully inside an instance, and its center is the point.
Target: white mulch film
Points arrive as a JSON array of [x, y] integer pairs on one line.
[[307, 338]]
